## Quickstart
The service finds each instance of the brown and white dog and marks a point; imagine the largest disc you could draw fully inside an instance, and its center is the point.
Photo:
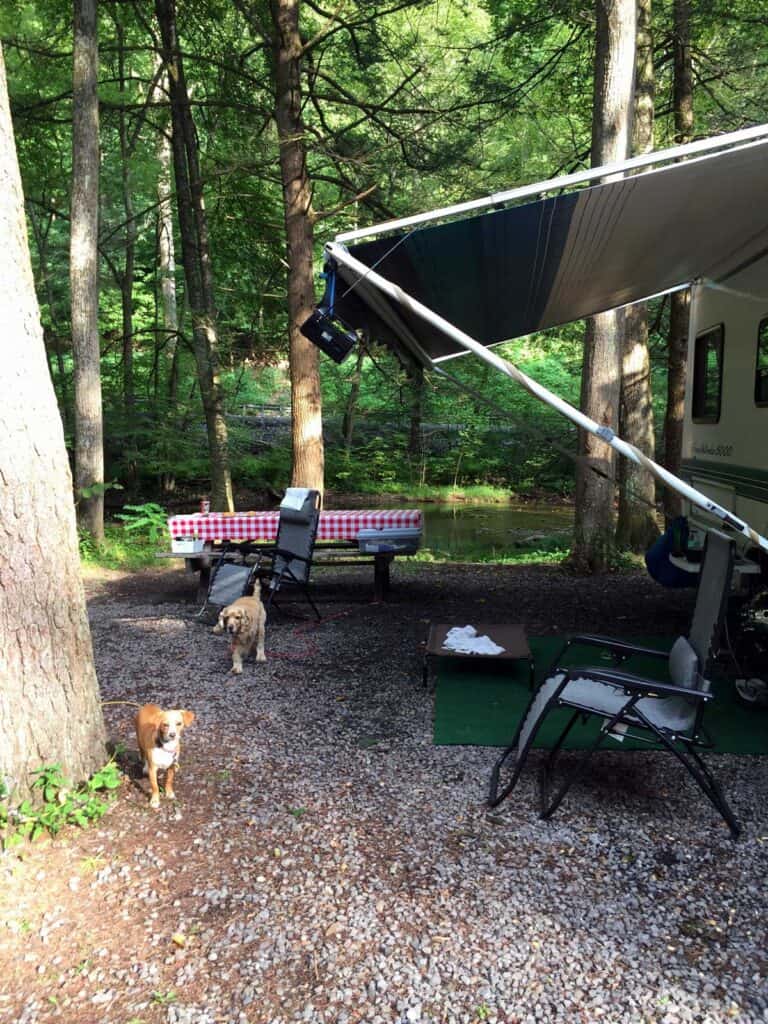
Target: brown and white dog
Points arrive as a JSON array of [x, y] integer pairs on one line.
[[158, 734], [244, 620]]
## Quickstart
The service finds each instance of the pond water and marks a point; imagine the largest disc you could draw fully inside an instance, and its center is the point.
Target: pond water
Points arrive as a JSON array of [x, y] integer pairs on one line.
[[459, 530]]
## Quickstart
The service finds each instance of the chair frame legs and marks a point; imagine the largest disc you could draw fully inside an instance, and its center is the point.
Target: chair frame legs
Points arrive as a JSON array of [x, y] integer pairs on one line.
[[709, 786], [688, 757], [292, 579]]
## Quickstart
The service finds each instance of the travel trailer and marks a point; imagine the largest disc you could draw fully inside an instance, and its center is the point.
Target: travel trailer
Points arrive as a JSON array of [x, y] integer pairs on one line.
[[725, 442], [725, 439]]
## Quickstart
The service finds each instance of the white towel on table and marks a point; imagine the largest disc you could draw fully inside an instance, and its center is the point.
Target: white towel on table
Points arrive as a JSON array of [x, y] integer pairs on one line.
[[294, 498], [464, 640]]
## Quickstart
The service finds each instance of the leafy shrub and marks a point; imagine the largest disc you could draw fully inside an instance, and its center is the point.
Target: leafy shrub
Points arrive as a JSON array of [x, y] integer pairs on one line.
[[270, 471], [148, 518], [61, 804]]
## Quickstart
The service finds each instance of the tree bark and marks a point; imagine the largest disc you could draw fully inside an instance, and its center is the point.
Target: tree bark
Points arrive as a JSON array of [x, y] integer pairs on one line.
[[348, 421], [84, 273], [637, 528], [306, 403], [196, 255], [126, 280], [680, 302], [49, 698], [40, 235], [416, 379], [167, 259], [601, 373]]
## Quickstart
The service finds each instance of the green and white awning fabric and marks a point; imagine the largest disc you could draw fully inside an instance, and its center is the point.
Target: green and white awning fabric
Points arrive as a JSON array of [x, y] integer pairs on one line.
[[465, 278]]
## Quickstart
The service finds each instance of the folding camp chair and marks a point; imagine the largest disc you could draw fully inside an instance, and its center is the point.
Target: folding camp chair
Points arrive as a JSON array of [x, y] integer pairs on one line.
[[667, 713], [231, 577], [291, 557]]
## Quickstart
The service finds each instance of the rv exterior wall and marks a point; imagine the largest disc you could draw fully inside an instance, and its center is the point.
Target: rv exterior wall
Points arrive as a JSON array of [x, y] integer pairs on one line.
[[725, 455]]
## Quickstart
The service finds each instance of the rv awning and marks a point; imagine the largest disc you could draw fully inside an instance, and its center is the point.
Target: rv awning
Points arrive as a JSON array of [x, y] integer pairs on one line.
[[434, 290], [506, 272]]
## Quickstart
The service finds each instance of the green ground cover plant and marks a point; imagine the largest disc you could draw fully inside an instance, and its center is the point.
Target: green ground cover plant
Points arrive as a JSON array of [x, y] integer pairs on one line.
[[57, 803]]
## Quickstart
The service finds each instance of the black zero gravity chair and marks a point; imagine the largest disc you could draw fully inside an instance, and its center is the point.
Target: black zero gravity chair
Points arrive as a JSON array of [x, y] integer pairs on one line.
[[668, 713], [291, 557], [232, 576]]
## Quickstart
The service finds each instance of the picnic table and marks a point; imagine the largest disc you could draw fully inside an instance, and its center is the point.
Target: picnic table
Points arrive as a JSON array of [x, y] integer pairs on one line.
[[344, 537]]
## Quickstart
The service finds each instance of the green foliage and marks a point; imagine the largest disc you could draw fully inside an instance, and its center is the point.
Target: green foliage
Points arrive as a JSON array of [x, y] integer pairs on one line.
[[406, 108], [148, 519], [548, 550], [270, 471], [491, 435], [98, 489], [164, 998], [118, 550], [59, 804]]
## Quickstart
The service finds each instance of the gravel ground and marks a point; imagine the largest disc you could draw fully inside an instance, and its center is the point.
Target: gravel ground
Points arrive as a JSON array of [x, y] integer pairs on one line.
[[326, 863]]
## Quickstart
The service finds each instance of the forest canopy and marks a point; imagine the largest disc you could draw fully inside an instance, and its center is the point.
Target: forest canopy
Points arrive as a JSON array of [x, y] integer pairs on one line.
[[404, 105]]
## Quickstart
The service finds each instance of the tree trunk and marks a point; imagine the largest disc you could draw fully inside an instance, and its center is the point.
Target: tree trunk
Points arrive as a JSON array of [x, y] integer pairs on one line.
[[415, 440], [126, 280], [601, 373], [348, 421], [84, 274], [593, 521], [637, 528], [416, 377], [680, 302], [49, 697], [196, 254], [167, 265], [306, 405], [40, 235]]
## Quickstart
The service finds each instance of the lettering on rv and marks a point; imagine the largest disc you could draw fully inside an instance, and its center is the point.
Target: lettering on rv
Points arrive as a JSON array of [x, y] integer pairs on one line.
[[724, 450]]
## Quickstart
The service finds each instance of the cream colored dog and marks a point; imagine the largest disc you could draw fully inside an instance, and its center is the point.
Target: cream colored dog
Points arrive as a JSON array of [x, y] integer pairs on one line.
[[244, 620]]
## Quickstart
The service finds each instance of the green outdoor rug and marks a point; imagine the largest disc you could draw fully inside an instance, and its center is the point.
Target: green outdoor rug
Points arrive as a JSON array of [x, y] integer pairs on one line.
[[480, 703]]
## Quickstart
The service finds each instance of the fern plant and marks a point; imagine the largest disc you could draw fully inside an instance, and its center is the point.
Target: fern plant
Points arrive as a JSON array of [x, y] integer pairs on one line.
[[149, 519]]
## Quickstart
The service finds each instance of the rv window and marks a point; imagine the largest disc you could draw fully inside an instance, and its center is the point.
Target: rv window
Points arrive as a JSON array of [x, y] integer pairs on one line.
[[708, 375], [761, 370]]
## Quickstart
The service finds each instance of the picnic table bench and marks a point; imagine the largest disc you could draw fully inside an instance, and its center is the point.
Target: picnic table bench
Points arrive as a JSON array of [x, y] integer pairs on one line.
[[343, 538]]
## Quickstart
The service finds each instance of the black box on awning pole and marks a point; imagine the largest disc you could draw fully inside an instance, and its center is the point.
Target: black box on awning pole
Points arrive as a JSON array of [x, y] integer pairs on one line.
[[332, 340]]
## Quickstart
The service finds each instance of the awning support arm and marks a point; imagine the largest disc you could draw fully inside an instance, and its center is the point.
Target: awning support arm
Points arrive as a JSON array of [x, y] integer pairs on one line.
[[629, 451]]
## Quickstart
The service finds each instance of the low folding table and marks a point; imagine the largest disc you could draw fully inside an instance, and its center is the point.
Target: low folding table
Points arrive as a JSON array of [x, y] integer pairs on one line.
[[511, 637]]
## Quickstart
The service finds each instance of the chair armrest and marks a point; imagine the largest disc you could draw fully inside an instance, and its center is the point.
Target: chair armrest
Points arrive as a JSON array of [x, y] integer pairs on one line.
[[617, 646], [630, 682]]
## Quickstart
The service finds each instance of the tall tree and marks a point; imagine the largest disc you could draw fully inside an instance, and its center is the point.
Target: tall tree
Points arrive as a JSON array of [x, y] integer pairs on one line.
[[636, 528], [196, 254], [415, 445], [84, 273], [49, 698], [611, 135], [166, 254], [127, 275], [682, 102], [306, 403], [348, 419], [41, 229]]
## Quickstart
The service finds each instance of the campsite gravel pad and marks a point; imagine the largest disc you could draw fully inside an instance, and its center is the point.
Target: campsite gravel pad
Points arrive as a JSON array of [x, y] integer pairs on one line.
[[326, 862]]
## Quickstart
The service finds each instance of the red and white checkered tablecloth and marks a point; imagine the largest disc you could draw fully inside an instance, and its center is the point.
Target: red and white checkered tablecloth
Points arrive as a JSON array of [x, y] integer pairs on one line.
[[334, 525]]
